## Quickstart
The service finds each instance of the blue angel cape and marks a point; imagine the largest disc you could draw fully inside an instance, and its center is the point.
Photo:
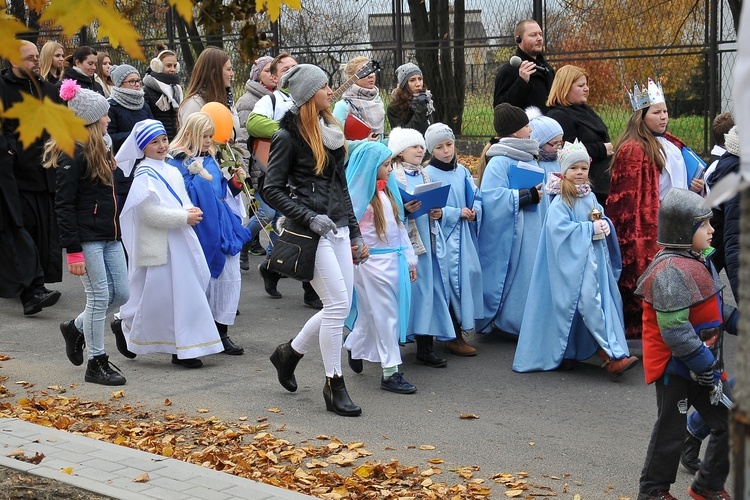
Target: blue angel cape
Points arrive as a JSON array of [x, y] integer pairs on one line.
[[429, 296], [220, 232], [507, 244], [574, 306], [361, 176], [460, 262]]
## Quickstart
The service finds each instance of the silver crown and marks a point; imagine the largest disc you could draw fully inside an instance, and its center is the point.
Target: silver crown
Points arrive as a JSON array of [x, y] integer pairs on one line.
[[649, 95]]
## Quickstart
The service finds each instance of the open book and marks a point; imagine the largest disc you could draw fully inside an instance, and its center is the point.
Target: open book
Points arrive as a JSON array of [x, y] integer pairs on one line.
[[431, 194]]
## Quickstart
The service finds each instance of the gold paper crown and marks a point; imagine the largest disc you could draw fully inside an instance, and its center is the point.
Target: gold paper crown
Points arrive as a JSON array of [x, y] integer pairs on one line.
[[651, 94]]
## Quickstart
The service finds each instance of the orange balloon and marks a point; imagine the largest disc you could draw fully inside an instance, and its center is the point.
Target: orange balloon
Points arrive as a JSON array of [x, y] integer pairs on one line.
[[222, 118]]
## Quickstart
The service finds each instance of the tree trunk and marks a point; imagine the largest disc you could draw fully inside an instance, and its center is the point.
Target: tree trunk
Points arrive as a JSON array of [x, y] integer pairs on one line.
[[426, 48], [459, 66]]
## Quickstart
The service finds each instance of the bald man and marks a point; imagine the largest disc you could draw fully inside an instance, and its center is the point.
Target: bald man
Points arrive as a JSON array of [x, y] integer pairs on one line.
[[30, 253]]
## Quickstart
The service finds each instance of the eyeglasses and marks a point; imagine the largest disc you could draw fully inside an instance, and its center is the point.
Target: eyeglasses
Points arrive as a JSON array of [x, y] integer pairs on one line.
[[132, 82], [555, 144]]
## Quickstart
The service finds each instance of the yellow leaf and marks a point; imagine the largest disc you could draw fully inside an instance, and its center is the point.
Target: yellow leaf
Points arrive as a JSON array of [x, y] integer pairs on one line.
[[364, 471], [242, 419], [34, 116], [202, 410], [36, 5], [275, 410], [118, 394], [10, 47], [184, 8], [273, 7], [513, 493], [426, 447], [73, 14], [167, 451], [436, 461], [143, 478], [67, 470], [467, 416]]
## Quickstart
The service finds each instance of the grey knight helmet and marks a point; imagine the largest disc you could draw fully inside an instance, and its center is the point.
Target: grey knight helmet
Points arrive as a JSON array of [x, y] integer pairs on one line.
[[679, 215]]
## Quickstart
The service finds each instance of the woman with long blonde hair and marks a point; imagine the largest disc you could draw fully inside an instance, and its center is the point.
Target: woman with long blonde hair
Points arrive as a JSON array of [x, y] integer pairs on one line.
[[306, 182], [51, 61], [86, 211]]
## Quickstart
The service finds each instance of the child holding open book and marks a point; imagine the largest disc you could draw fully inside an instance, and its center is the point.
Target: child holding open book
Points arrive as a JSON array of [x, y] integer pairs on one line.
[[429, 318]]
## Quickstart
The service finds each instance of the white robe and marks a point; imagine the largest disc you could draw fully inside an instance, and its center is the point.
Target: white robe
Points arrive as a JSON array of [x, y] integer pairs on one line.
[[167, 311], [375, 336]]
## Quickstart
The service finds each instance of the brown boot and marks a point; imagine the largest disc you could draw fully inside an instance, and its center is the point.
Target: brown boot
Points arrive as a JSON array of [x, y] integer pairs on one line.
[[616, 367], [459, 347]]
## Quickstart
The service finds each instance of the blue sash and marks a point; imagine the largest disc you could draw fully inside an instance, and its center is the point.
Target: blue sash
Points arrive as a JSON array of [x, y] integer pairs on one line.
[[145, 169]]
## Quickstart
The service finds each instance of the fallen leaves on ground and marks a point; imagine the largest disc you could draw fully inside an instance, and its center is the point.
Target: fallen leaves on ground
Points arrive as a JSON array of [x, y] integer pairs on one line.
[[332, 469], [21, 455]]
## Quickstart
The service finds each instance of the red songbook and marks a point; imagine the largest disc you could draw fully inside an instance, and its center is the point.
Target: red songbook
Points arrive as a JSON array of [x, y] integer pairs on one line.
[[355, 129]]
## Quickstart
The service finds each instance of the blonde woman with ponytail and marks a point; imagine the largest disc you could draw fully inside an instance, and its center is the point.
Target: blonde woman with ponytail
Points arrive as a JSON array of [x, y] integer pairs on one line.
[[305, 171], [86, 209]]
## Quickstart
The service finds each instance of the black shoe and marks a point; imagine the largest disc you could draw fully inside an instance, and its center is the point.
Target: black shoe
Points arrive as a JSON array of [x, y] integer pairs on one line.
[[187, 362], [255, 248], [41, 299], [270, 280], [396, 383], [314, 303], [311, 298], [230, 347], [689, 458], [122, 344], [74, 342], [285, 359], [354, 364], [337, 398], [101, 371]]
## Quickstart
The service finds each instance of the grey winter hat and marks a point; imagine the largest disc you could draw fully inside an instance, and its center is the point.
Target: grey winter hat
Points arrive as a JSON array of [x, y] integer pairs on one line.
[[406, 71], [86, 104], [118, 74], [437, 133], [303, 81], [257, 68]]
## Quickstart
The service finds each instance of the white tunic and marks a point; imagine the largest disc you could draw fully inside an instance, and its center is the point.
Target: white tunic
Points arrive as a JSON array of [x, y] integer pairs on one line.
[[167, 311], [375, 336]]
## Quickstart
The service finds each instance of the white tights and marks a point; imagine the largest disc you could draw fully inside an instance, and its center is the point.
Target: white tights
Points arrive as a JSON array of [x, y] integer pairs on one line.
[[333, 281]]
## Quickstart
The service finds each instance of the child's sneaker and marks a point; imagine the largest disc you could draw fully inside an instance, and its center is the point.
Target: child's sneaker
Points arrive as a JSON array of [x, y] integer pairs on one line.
[[398, 384], [700, 493]]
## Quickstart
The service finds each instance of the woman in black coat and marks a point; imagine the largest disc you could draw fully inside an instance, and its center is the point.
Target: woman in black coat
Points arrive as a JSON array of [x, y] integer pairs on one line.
[[567, 104], [306, 182], [82, 68]]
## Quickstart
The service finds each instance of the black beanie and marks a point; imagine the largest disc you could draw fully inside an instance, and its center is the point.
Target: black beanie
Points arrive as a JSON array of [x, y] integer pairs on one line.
[[509, 119]]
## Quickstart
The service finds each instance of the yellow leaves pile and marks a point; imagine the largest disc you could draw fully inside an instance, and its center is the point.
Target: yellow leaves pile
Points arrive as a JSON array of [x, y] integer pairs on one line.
[[247, 451], [519, 486]]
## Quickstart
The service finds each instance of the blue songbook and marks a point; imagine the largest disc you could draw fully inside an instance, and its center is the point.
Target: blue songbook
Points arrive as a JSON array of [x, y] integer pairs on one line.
[[694, 164], [432, 195], [524, 176]]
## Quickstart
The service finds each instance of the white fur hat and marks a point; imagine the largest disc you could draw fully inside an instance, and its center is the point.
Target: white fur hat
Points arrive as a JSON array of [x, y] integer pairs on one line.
[[402, 138]]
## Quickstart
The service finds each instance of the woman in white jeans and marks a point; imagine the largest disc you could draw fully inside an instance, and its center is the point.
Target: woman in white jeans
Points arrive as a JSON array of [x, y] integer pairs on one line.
[[306, 182]]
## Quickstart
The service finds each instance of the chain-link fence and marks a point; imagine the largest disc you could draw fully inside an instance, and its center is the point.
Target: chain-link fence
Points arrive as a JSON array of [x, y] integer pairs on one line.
[[688, 43]]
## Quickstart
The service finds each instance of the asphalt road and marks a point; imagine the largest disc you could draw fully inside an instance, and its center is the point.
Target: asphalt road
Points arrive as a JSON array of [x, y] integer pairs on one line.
[[577, 426]]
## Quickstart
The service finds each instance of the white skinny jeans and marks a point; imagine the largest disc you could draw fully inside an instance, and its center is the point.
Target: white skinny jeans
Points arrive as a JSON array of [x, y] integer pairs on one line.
[[333, 281]]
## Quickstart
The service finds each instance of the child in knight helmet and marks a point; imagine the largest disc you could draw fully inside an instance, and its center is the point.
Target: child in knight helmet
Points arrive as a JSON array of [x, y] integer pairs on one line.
[[459, 223], [167, 311], [429, 317], [380, 314], [222, 236], [576, 309], [684, 317]]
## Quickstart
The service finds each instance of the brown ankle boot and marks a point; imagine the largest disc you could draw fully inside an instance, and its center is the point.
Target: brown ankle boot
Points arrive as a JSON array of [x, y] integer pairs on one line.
[[459, 347]]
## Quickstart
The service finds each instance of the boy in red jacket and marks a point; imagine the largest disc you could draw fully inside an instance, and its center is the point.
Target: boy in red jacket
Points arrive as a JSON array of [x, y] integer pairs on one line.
[[683, 322]]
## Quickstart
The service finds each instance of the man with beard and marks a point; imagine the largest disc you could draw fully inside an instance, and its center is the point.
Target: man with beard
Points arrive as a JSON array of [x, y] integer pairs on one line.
[[29, 250], [529, 81]]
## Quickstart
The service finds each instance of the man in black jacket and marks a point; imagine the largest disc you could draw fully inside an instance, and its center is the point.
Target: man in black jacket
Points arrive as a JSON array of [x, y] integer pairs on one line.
[[30, 250], [529, 83]]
